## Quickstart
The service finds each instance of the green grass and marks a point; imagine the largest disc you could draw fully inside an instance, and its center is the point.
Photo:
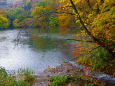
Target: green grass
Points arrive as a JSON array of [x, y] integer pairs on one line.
[[10, 80]]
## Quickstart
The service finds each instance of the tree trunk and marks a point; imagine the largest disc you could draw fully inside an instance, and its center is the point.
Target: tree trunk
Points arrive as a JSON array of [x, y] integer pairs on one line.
[[90, 34]]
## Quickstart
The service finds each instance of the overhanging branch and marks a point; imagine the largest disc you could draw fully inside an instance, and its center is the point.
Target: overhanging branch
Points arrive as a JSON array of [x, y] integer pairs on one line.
[[55, 12], [89, 33], [80, 40]]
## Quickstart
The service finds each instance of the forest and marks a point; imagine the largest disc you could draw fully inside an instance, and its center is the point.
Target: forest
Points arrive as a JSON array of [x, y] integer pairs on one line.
[[83, 30]]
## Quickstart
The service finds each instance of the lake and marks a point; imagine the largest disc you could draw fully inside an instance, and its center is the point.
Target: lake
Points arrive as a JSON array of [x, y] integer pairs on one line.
[[36, 52]]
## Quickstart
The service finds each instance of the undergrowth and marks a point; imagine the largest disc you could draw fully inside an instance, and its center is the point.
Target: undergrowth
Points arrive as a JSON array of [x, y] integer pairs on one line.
[[66, 79], [22, 78]]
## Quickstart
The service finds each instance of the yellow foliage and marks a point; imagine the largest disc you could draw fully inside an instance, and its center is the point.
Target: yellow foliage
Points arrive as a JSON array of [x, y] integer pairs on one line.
[[4, 22]]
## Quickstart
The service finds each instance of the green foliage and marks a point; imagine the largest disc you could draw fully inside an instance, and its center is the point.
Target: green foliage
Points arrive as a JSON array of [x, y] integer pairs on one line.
[[54, 21], [15, 13], [28, 22], [27, 72], [19, 83], [78, 80], [11, 14], [8, 80], [42, 15], [42, 3], [19, 13], [36, 11], [5, 79], [27, 75], [97, 59], [59, 80], [18, 10]]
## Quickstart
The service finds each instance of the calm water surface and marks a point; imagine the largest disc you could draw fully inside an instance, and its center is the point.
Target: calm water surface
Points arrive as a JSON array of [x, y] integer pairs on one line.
[[35, 52]]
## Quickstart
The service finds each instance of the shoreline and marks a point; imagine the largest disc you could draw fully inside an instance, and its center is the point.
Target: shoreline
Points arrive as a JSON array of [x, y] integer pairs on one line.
[[70, 68]]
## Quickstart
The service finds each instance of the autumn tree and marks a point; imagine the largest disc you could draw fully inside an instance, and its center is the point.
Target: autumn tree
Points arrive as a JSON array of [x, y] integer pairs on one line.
[[96, 18], [43, 15], [4, 22], [17, 23], [3, 12], [16, 13]]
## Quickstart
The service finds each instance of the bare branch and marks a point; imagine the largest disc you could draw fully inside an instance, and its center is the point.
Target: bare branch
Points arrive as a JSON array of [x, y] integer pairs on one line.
[[55, 12], [80, 40]]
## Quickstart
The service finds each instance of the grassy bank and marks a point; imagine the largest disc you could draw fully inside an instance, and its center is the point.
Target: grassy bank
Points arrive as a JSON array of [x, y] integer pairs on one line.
[[22, 78]]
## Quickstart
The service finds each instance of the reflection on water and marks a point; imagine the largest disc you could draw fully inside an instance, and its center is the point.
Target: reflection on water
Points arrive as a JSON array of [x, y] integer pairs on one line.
[[36, 53]]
